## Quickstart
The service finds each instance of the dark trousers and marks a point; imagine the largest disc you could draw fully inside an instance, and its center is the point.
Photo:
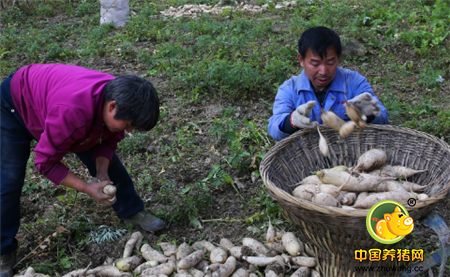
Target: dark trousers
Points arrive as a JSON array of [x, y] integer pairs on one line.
[[15, 142]]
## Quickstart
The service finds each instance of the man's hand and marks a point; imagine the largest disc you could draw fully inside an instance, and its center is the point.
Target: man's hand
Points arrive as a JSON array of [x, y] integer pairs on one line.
[[95, 189], [367, 104], [300, 117]]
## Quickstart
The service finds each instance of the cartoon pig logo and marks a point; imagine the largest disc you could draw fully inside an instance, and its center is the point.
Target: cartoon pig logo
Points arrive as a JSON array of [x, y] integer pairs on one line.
[[394, 225]]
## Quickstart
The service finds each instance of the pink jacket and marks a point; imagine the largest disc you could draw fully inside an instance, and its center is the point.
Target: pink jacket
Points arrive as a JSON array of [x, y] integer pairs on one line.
[[62, 106]]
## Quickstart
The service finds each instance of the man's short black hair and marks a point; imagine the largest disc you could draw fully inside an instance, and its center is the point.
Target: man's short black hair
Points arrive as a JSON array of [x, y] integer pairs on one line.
[[318, 39], [137, 101]]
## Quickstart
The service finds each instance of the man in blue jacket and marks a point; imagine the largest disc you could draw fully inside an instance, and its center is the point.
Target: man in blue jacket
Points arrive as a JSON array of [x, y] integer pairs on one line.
[[321, 85]]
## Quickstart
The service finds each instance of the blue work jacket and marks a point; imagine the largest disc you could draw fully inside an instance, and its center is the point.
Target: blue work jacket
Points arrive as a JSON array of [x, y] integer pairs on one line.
[[298, 90]]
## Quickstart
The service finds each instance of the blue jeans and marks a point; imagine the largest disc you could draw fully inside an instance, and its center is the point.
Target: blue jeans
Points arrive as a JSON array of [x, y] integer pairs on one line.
[[15, 142]]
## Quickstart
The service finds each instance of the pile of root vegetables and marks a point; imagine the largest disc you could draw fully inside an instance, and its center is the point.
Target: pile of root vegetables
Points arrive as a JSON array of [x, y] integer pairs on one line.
[[280, 254], [361, 186], [192, 10]]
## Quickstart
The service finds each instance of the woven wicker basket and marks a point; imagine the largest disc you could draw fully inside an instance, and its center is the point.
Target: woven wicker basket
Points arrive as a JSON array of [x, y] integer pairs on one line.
[[335, 233]]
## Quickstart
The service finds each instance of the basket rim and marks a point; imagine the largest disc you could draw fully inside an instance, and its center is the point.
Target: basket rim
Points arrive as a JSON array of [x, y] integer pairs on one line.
[[278, 193]]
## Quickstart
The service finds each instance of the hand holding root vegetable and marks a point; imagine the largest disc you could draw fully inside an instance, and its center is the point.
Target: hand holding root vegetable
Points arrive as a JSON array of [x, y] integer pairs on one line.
[[106, 187], [110, 190], [366, 103]]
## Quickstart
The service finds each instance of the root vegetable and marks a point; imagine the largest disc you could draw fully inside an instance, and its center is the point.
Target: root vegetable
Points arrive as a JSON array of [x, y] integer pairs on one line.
[[128, 263], [191, 260], [166, 268], [276, 246], [304, 261], [370, 160], [274, 270], [218, 255], [263, 261], [109, 271], [270, 273], [226, 243], [242, 250], [195, 272], [325, 199], [397, 171], [76, 273], [270, 234], [329, 189], [361, 196], [202, 265], [226, 269], [168, 248], [311, 179], [332, 120], [302, 271], [355, 114], [203, 244], [323, 145], [348, 182], [315, 273], [133, 243], [410, 186], [347, 198], [308, 191], [110, 190], [292, 244], [182, 273], [257, 246], [149, 264], [346, 129], [371, 200], [240, 272], [305, 192], [183, 250], [212, 267], [151, 254]]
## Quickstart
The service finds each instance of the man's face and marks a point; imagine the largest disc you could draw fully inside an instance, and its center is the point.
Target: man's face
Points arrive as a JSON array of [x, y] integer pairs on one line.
[[114, 125], [320, 71]]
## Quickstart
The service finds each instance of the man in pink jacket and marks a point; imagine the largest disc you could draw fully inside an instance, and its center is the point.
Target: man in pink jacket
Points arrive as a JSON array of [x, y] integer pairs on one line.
[[66, 109]]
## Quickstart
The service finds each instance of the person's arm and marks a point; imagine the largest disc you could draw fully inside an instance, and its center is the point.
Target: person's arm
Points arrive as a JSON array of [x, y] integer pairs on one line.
[[282, 108], [63, 128], [95, 190]]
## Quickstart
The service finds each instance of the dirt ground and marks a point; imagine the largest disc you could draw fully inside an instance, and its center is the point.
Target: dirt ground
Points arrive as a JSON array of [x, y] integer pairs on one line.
[[34, 249]]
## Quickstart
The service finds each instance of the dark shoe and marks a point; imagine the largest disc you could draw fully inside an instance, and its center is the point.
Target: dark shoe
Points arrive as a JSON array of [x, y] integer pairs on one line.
[[146, 221], [7, 263]]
